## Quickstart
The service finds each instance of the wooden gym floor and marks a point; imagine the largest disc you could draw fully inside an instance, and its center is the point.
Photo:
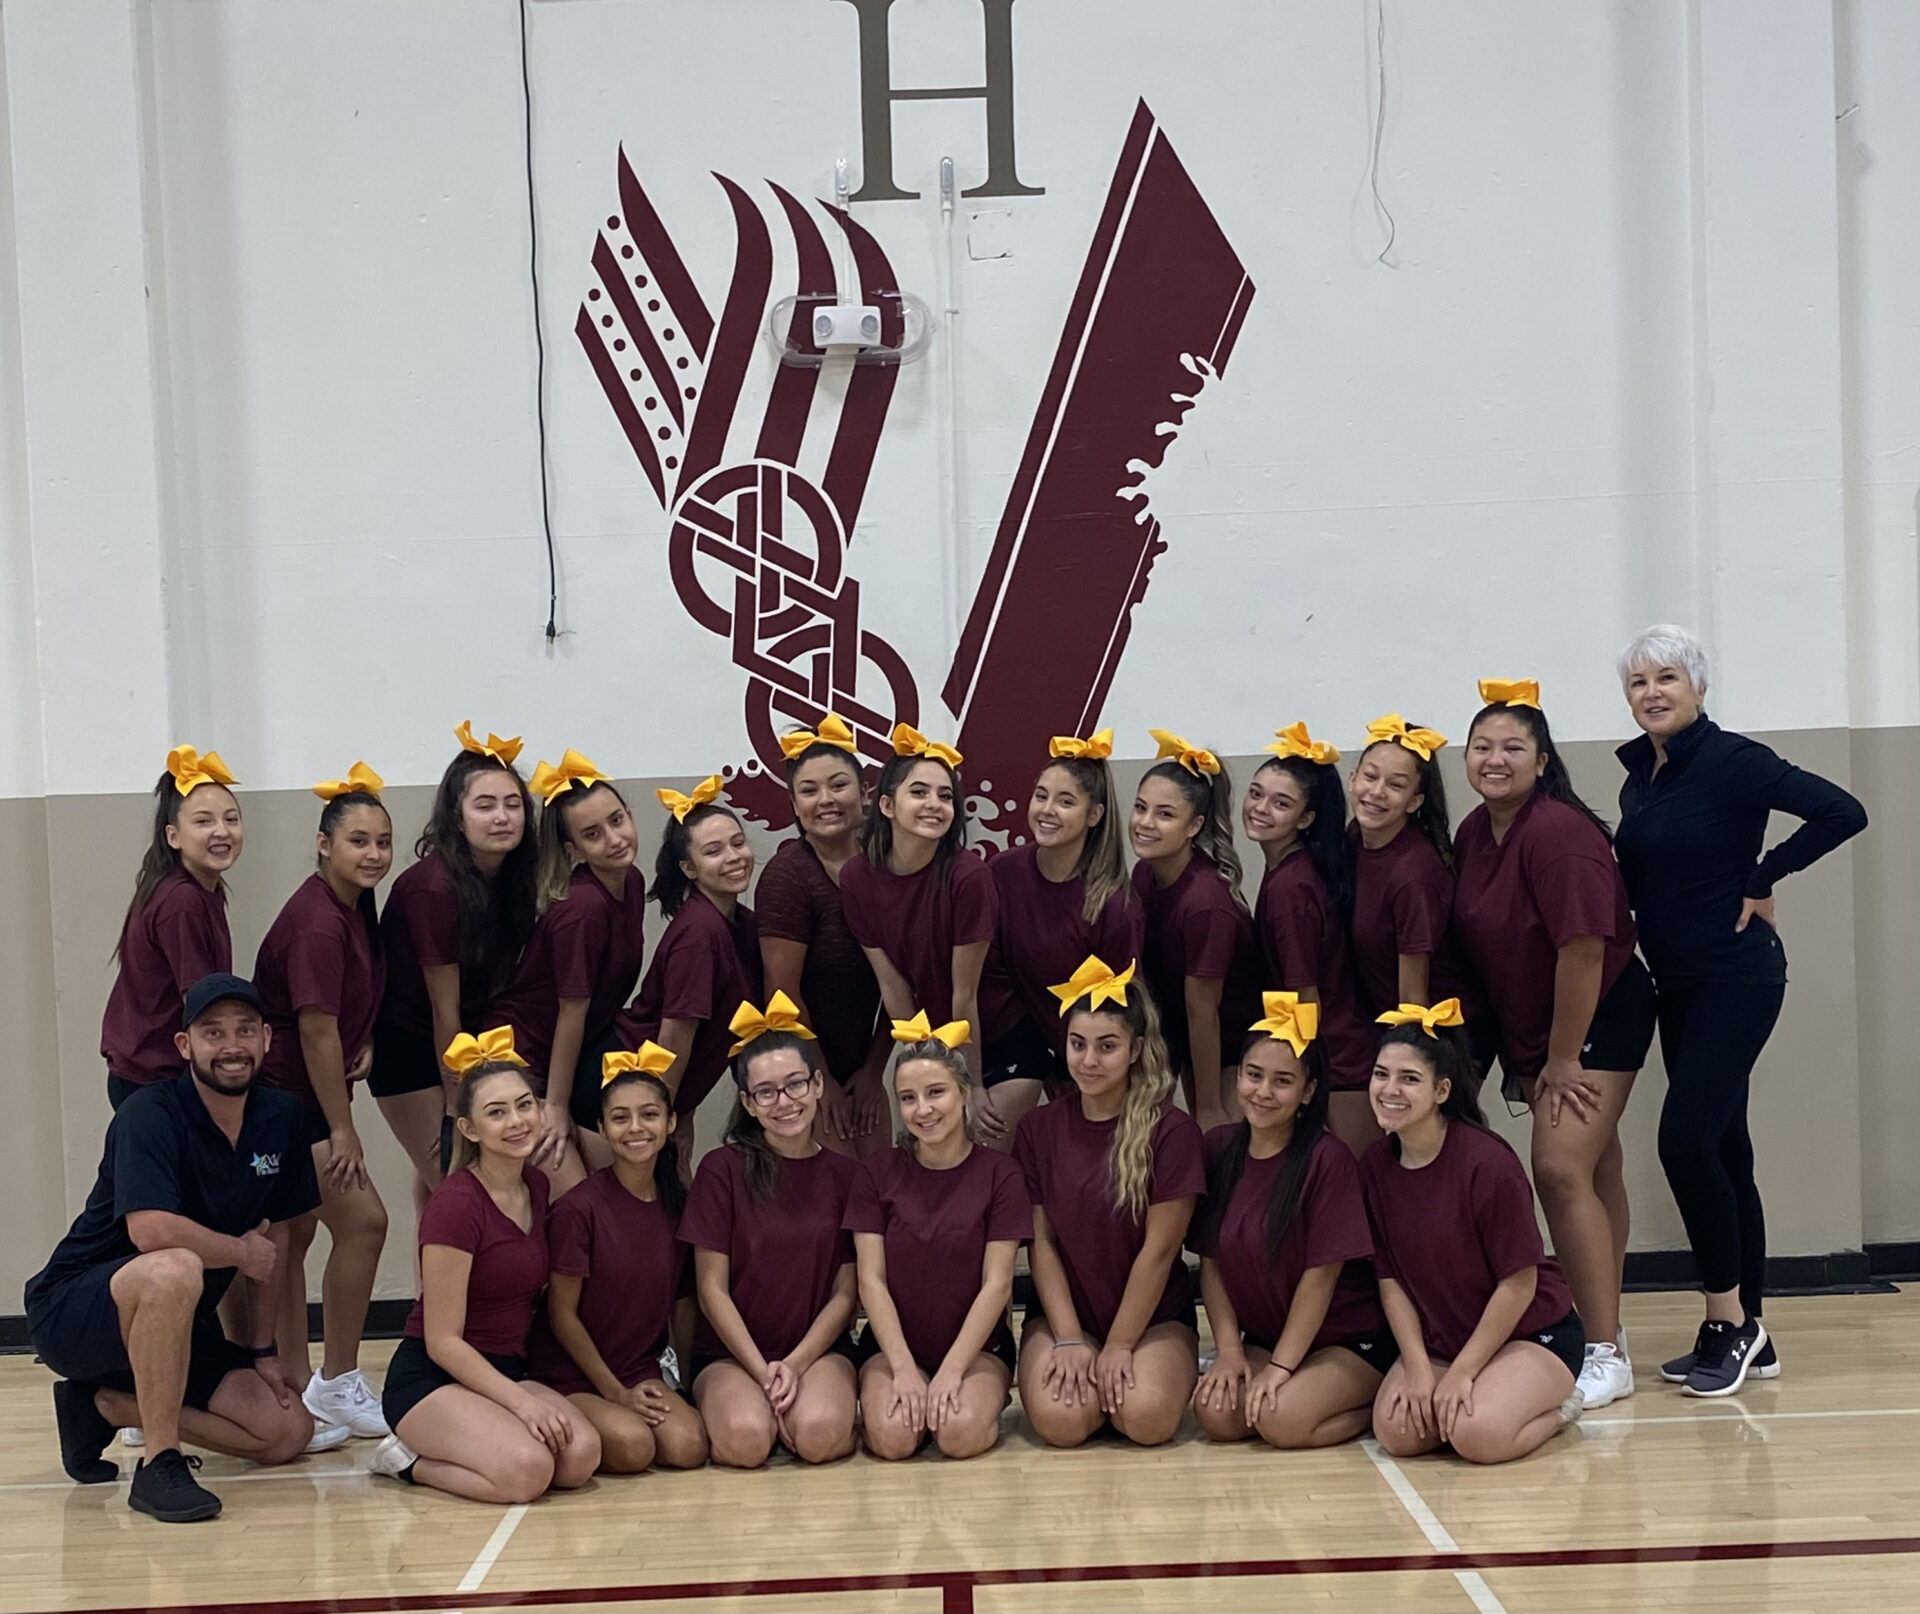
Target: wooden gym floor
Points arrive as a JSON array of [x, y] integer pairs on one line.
[[1799, 1494]]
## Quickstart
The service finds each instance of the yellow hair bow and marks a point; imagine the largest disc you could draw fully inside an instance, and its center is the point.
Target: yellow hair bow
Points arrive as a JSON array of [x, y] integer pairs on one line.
[[1096, 749], [1393, 727], [1288, 1019], [550, 782], [908, 741], [1189, 757], [502, 751], [1094, 979], [360, 778], [493, 1047], [1294, 741], [749, 1024], [650, 1059], [190, 769], [1521, 692], [955, 1033], [834, 730], [680, 805], [1444, 1013]]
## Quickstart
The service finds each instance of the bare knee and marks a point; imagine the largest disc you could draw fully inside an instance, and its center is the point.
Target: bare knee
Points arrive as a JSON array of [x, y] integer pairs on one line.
[[740, 1440], [1059, 1425], [890, 1439], [524, 1472], [1558, 1178], [1221, 1423], [680, 1444], [820, 1435], [1395, 1441], [583, 1456], [627, 1450], [167, 1275], [1476, 1442], [969, 1433], [1149, 1420]]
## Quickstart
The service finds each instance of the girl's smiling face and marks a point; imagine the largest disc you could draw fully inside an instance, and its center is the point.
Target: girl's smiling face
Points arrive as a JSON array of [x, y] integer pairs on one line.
[[922, 805], [828, 797], [1403, 1090], [1385, 788], [1101, 1051], [1059, 812], [1503, 763], [933, 1105], [719, 859], [360, 849], [1275, 808], [1273, 1085], [1163, 822]]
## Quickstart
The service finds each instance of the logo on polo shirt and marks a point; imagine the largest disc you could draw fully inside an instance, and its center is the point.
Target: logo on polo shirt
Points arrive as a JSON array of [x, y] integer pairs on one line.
[[266, 1165]]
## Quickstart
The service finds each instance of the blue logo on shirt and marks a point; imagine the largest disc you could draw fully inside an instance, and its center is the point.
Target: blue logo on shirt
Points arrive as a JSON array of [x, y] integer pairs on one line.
[[266, 1165]]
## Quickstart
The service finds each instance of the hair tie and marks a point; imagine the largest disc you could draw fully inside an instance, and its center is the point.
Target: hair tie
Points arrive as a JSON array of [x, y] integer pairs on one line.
[[190, 769], [1095, 748], [1521, 692], [493, 1047], [955, 1033], [1094, 978], [1293, 741], [1421, 742], [749, 1024], [1444, 1013], [908, 741], [680, 805], [360, 780], [1288, 1020], [834, 730], [502, 751], [549, 782], [1192, 758], [649, 1059]]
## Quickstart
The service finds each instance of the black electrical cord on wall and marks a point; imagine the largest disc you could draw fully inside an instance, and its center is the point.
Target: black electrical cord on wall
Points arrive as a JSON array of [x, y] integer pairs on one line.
[[539, 341]]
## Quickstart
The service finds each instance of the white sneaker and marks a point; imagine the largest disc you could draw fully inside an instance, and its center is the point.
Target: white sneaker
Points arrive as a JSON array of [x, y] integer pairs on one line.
[[1620, 1339], [670, 1367], [135, 1438], [393, 1457], [1605, 1377], [326, 1436], [348, 1402]]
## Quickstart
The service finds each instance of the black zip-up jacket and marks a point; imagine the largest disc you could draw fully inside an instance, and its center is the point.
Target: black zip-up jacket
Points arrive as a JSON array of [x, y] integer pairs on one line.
[[1689, 846]]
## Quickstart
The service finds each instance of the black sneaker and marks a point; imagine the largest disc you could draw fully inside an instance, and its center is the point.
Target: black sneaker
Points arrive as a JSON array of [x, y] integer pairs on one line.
[[165, 1489], [1765, 1364], [1726, 1353], [84, 1433]]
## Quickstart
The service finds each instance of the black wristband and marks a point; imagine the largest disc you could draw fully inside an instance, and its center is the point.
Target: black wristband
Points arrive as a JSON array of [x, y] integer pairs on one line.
[[261, 1352]]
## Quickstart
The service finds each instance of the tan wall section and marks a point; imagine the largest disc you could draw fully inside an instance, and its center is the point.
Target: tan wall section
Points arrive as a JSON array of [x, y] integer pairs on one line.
[[1836, 1134]]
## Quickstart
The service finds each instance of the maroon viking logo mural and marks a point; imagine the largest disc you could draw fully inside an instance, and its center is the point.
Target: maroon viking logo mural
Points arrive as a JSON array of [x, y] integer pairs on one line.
[[758, 552]]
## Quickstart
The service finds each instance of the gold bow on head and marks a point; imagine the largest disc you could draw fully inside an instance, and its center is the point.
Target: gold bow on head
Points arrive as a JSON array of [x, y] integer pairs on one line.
[[1520, 692], [1289, 1020], [834, 730], [1189, 757], [493, 1047], [1393, 727], [191, 770], [650, 1059], [908, 741], [1094, 979], [360, 778], [680, 805], [749, 1024], [1096, 749], [502, 751], [549, 782], [1294, 741], [955, 1033], [1444, 1013]]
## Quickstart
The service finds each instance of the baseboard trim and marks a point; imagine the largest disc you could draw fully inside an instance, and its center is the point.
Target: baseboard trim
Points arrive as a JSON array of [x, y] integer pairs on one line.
[[1873, 1270]]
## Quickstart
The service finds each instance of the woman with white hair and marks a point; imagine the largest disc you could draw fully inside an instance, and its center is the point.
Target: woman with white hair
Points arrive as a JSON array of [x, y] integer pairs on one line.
[[1693, 822]]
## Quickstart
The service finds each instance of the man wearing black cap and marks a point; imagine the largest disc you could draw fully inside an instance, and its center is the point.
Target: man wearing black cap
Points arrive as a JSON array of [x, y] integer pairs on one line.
[[200, 1178]]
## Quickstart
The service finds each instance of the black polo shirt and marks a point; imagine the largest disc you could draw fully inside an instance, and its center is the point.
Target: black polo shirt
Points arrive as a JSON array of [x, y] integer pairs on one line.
[[165, 1153], [1689, 846]]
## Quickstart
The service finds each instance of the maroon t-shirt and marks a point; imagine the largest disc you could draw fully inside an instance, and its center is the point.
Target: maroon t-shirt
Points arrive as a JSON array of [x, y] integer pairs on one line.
[[798, 901], [587, 945], [420, 927], [509, 1266], [1520, 901], [1303, 944], [319, 954], [1403, 903], [1194, 927], [1041, 937], [1329, 1224], [938, 1225], [633, 1268], [1451, 1231], [703, 970], [1064, 1156], [918, 919], [784, 1253], [179, 936]]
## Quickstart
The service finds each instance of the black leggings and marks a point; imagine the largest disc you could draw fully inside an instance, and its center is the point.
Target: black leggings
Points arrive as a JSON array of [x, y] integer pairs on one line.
[[1710, 1037]]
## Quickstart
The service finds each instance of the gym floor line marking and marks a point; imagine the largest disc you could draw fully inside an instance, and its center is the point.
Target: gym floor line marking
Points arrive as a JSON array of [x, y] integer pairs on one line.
[[957, 1585], [1430, 1526], [496, 1544]]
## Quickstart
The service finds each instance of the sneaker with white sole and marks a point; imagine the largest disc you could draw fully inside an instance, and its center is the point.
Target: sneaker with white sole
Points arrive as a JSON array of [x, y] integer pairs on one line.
[[1605, 1376], [347, 1401], [134, 1439], [1766, 1364], [1725, 1357], [670, 1367], [328, 1436], [393, 1457]]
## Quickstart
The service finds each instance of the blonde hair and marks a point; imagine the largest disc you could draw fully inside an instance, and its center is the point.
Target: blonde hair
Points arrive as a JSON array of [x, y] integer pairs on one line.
[[1149, 1087], [934, 1052]]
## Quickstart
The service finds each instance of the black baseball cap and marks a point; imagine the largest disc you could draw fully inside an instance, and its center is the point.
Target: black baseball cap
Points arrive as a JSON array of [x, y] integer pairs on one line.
[[212, 989]]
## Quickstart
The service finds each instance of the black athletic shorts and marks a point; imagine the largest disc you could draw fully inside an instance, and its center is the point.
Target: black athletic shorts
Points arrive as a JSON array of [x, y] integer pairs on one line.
[[1023, 1052], [999, 1347], [1620, 1035], [403, 1062], [75, 1330], [1567, 1339], [413, 1375]]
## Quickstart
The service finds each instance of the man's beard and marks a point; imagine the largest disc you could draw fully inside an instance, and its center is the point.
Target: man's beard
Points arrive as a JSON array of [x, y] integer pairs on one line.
[[230, 1083]]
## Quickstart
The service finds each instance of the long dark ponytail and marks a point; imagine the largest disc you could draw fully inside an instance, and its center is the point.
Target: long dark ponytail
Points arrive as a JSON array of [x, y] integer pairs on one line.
[[1446, 1054], [672, 885], [162, 860], [496, 915], [1210, 796], [666, 1165], [337, 808], [1555, 782], [1430, 818], [1329, 847], [1283, 1198]]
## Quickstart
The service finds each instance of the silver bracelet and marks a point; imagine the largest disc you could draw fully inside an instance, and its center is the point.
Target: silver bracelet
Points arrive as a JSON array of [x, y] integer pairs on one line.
[[1061, 1343]]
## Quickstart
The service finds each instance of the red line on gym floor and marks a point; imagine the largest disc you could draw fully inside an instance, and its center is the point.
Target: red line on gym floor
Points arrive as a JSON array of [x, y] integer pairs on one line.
[[956, 1586]]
